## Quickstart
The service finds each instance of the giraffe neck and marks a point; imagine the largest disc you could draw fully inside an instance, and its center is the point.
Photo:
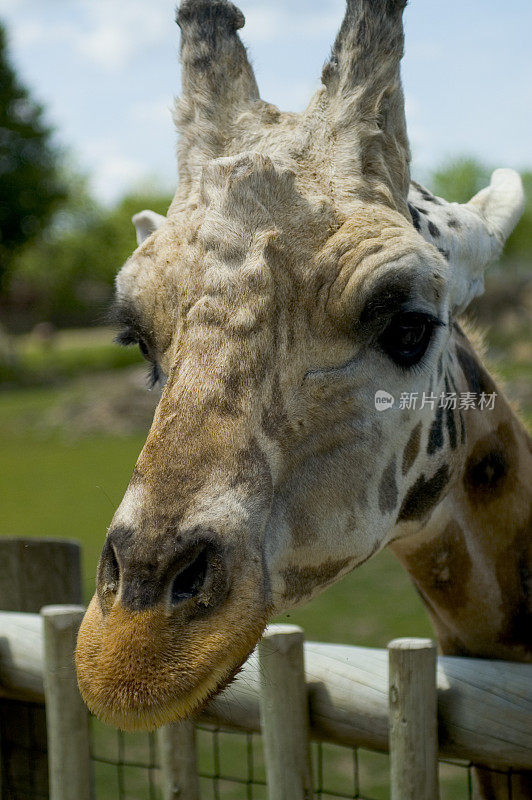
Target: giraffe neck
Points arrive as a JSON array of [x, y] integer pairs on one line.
[[472, 560]]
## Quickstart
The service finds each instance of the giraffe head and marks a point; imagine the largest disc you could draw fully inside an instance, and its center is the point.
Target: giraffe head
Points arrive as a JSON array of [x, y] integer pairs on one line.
[[286, 286]]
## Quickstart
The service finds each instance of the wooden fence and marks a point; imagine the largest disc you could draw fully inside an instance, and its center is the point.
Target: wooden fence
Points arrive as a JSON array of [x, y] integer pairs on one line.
[[405, 701]]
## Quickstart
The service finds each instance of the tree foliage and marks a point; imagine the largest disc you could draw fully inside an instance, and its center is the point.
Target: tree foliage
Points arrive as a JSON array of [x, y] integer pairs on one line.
[[67, 276], [30, 186]]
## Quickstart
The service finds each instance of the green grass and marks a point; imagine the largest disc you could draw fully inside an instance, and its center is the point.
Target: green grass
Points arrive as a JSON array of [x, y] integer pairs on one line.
[[54, 487]]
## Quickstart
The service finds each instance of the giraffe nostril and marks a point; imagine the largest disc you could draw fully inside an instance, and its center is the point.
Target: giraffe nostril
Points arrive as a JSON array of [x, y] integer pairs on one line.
[[108, 572], [113, 572], [189, 582]]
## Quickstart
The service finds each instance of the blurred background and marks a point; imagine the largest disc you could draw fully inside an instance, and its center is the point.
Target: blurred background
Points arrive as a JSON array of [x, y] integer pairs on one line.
[[86, 140]]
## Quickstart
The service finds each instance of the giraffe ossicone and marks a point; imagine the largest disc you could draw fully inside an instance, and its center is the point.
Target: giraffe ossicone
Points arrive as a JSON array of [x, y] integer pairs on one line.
[[296, 274]]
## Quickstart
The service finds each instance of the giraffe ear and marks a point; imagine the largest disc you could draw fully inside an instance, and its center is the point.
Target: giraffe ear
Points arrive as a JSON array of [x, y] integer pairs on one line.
[[500, 204], [146, 222], [469, 235]]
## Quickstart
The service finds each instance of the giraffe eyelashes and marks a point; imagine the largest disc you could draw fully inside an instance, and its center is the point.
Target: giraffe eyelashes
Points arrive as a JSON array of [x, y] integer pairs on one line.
[[407, 337], [155, 376], [129, 337]]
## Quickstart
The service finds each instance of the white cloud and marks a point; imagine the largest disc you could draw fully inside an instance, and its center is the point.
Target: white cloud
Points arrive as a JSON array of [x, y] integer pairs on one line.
[[157, 111], [8, 6], [120, 29], [38, 32], [112, 170], [109, 33], [292, 95], [426, 51], [115, 175], [275, 21], [261, 24]]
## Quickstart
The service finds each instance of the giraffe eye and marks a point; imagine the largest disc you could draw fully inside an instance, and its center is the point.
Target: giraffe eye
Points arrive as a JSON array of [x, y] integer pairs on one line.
[[407, 337]]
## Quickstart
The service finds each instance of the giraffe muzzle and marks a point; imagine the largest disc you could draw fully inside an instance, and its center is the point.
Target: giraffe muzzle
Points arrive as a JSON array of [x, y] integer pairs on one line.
[[172, 619]]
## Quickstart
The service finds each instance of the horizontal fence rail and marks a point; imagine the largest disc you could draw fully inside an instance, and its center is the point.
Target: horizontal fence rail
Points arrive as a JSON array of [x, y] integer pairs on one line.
[[484, 707]]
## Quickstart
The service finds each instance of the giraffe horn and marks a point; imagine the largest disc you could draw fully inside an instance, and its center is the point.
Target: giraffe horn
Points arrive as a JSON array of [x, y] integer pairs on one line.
[[217, 80], [366, 103]]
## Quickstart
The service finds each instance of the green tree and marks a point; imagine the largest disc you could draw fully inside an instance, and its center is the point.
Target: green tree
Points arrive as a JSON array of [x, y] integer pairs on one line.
[[30, 186], [461, 178], [458, 180], [67, 275]]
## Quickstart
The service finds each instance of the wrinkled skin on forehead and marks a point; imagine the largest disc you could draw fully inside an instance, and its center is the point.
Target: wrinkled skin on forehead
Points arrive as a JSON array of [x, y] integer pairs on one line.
[[274, 300]]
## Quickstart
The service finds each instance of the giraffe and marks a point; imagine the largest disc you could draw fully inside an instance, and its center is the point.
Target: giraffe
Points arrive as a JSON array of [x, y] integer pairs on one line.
[[298, 276]]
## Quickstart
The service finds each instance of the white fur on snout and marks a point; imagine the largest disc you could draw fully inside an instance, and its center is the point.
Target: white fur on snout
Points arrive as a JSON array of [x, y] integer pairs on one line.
[[128, 513]]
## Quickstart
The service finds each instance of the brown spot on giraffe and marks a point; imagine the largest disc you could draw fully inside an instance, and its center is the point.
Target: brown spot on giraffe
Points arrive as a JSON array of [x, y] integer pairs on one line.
[[388, 489], [451, 427], [423, 495], [252, 469], [300, 519], [492, 466], [275, 422], [302, 581], [411, 450], [516, 587], [463, 433], [221, 405], [442, 567], [435, 440], [478, 379]]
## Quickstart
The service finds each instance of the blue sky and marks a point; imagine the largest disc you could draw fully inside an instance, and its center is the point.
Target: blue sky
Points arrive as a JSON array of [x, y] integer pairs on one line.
[[107, 70]]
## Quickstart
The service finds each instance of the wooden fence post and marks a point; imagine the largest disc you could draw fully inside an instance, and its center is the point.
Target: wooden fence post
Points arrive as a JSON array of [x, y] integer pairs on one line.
[[33, 573], [67, 718], [284, 713], [413, 719], [177, 757]]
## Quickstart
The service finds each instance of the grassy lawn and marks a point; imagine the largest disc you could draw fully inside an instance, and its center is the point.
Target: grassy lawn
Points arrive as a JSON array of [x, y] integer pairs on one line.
[[51, 486]]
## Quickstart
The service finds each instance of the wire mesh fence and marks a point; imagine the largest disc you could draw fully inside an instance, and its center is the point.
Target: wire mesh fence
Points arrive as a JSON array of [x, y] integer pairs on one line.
[[125, 765], [230, 764], [231, 767]]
